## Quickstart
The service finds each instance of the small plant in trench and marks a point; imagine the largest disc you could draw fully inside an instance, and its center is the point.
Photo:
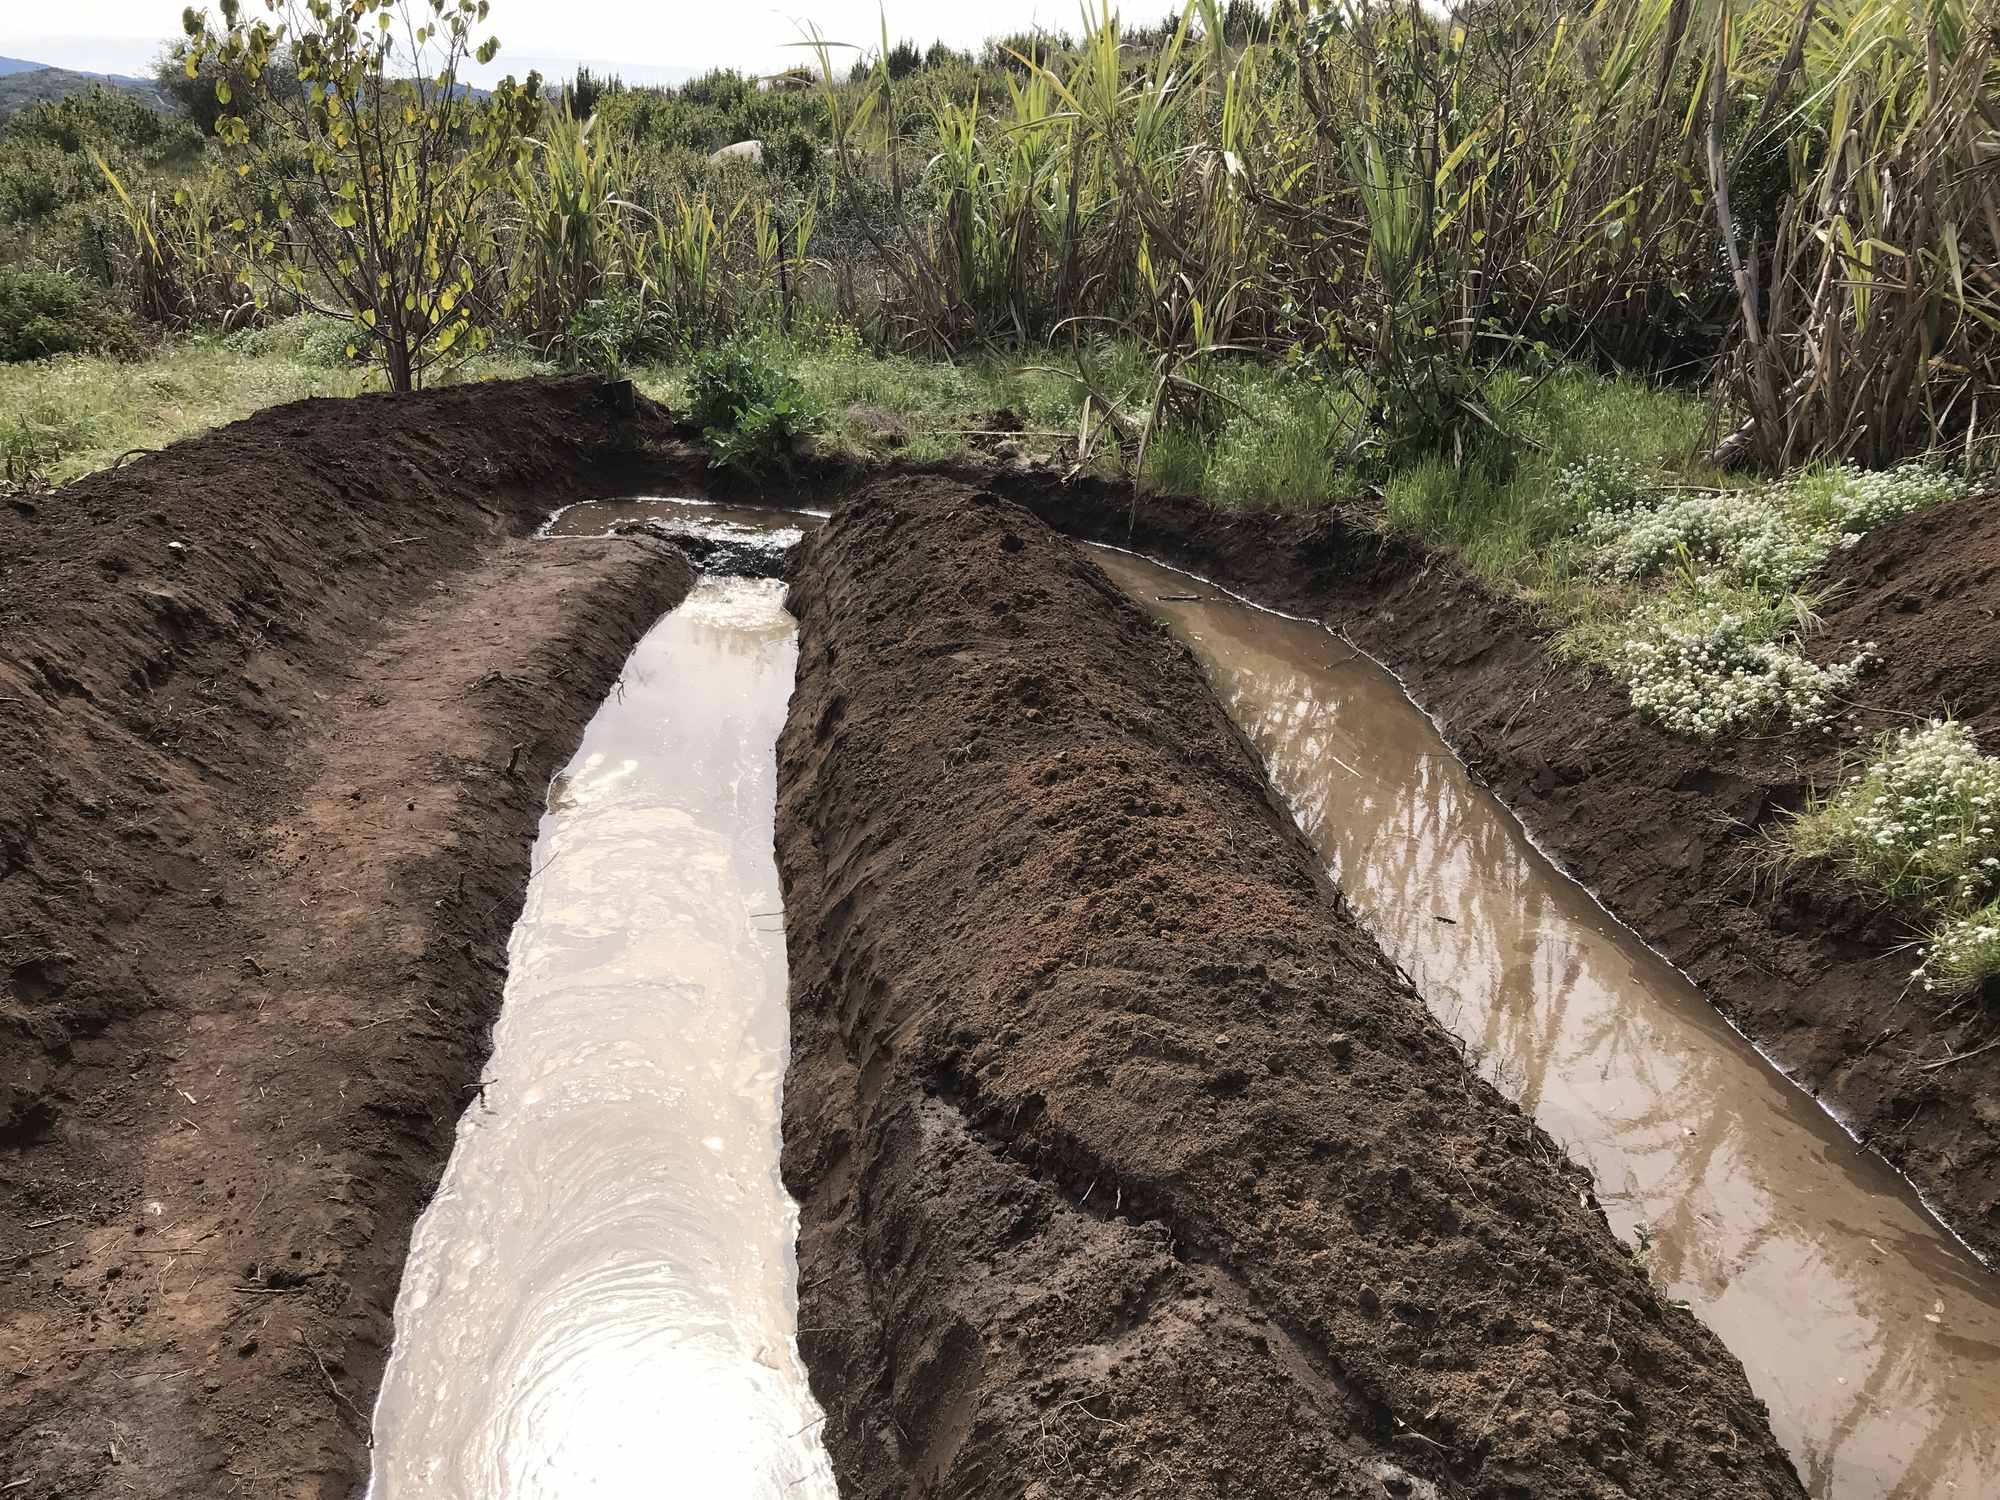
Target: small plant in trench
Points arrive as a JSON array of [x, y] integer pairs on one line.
[[1706, 663], [1917, 823], [751, 412]]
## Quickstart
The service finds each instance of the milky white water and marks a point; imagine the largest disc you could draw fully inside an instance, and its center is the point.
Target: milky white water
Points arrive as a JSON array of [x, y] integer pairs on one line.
[[602, 1297]]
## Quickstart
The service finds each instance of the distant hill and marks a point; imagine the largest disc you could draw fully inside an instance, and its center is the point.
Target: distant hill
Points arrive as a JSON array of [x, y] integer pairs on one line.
[[25, 84]]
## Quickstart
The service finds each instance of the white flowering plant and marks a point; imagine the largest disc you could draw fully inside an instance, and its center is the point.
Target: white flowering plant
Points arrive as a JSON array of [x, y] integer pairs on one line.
[[1709, 662], [1963, 952], [1739, 536], [1599, 481], [1920, 821], [1774, 537], [1847, 501]]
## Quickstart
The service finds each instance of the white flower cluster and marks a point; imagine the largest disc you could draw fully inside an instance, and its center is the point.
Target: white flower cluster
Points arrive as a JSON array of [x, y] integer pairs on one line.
[[1924, 814], [1705, 673], [1741, 535], [1775, 537], [1602, 481], [1854, 499], [1963, 952]]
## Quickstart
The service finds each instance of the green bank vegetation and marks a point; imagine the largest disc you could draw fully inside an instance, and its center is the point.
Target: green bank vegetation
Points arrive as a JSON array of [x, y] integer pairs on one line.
[[1639, 306]]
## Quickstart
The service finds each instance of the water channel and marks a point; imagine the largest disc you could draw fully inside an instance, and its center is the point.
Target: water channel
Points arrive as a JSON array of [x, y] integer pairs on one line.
[[602, 1297], [1871, 1334]]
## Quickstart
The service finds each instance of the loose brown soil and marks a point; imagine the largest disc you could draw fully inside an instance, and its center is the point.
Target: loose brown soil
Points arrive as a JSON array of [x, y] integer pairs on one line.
[[1127, 1164], [1664, 830], [277, 709], [1173, 1188]]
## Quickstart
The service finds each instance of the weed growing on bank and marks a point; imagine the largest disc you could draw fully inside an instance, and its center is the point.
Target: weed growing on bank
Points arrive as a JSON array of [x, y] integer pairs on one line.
[[1776, 536], [1697, 607], [1739, 537], [1963, 953], [1708, 662], [751, 412], [1919, 823]]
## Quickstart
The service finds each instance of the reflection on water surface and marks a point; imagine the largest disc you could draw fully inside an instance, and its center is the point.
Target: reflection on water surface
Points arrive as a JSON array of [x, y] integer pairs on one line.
[[601, 1300]]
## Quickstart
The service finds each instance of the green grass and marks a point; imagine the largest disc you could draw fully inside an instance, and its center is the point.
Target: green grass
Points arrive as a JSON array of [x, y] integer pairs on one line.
[[916, 410], [69, 416], [1511, 513]]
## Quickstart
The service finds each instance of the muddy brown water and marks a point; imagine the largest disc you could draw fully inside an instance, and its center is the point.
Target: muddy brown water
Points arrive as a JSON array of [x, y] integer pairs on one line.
[[1872, 1335], [602, 1297]]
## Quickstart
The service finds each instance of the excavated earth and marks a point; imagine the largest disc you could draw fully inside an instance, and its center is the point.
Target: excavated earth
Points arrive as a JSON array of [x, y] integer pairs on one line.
[[277, 711], [1127, 1164]]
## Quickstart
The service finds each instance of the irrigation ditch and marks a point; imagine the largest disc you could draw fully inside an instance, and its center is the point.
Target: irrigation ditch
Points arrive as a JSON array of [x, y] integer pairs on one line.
[[1125, 1161]]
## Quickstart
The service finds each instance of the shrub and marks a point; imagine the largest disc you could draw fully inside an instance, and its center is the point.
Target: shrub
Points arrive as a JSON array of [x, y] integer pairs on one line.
[[1917, 822], [1706, 666], [47, 312], [750, 411]]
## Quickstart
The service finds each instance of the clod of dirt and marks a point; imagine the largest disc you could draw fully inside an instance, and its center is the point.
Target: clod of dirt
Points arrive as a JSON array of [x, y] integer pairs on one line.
[[1127, 1165]]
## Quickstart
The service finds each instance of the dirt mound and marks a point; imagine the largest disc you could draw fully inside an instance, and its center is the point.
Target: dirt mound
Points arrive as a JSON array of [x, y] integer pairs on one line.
[[277, 707], [1127, 1165], [1926, 589], [1659, 827]]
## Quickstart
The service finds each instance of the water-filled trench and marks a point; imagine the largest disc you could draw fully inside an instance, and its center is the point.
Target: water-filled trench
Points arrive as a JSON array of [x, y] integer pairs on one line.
[[602, 1296], [1873, 1337]]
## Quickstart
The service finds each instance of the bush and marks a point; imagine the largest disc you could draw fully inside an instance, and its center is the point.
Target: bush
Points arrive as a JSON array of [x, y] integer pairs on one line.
[[47, 312], [751, 412], [1918, 822]]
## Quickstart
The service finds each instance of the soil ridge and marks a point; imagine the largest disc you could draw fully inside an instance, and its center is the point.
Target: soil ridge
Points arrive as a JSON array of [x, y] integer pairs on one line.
[[277, 709], [1126, 1162]]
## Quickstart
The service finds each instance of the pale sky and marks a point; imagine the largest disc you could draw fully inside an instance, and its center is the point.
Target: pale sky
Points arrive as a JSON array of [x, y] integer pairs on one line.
[[637, 38]]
